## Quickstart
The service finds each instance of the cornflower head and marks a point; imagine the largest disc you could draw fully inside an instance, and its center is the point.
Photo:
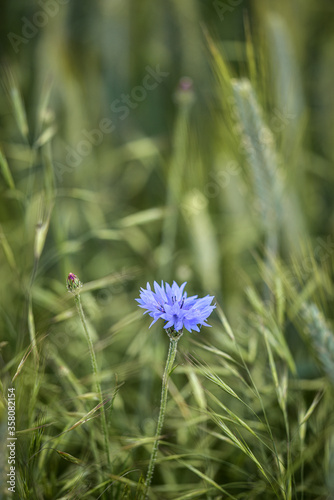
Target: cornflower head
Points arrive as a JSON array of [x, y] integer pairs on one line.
[[172, 304]]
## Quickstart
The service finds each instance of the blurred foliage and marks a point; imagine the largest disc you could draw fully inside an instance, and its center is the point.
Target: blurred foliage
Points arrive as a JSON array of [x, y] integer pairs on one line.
[[186, 140]]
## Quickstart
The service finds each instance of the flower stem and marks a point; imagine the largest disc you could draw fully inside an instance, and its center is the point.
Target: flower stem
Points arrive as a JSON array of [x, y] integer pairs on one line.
[[164, 392], [94, 366]]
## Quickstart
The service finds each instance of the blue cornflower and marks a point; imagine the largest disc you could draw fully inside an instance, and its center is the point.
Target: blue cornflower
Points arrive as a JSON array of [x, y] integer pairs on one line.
[[172, 304]]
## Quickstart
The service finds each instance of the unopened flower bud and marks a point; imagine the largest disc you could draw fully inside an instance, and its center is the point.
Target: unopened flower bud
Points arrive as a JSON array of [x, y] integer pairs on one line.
[[73, 284], [185, 95]]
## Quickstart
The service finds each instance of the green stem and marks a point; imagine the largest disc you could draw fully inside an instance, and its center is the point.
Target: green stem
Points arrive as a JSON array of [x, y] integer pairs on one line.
[[94, 366], [164, 393]]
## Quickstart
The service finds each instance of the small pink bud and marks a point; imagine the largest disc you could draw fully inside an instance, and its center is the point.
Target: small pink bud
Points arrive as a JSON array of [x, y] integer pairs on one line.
[[73, 284]]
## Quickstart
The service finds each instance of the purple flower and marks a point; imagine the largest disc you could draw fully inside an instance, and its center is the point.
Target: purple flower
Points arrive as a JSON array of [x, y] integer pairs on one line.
[[172, 304]]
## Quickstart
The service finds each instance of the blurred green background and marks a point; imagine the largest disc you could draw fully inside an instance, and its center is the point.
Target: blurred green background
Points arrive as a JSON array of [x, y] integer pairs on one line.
[[142, 141]]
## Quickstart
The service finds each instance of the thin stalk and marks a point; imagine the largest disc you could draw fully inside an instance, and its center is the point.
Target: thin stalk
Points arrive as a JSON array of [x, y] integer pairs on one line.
[[164, 393], [94, 366]]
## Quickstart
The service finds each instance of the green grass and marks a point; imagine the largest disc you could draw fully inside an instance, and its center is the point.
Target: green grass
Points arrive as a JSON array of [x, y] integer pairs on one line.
[[226, 185]]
